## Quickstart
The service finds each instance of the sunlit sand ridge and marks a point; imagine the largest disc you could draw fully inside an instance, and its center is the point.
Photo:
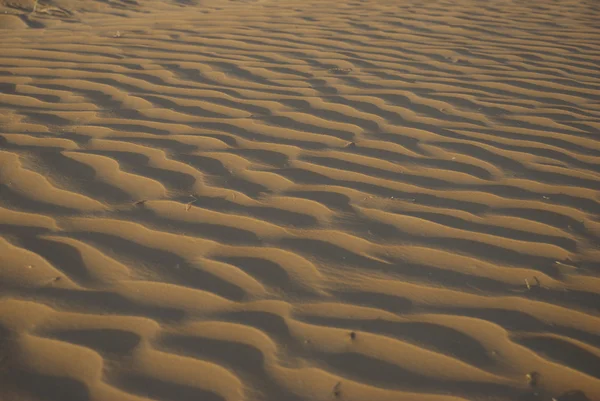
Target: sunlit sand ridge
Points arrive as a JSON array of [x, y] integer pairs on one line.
[[299, 200]]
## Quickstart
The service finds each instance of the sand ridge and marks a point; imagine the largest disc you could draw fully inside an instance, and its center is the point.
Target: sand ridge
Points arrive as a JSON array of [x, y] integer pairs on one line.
[[237, 200]]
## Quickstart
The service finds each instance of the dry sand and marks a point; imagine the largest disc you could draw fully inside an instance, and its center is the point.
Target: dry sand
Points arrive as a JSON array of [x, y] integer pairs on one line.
[[290, 200]]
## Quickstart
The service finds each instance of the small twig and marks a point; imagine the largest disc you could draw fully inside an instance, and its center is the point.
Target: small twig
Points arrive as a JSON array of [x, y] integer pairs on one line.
[[52, 280], [188, 205], [337, 70], [558, 262], [538, 283], [35, 3], [473, 287], [337, 389]]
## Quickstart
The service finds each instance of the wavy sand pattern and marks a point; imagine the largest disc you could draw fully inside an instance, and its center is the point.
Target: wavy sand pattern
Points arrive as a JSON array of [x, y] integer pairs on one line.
[[299, 200]]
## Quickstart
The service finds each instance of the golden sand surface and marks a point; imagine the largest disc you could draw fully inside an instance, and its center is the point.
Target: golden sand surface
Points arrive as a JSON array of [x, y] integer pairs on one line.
[[299, 200]]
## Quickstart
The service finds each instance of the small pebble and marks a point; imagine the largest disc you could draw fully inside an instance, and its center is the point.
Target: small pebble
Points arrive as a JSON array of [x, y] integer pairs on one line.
[[533, 378]]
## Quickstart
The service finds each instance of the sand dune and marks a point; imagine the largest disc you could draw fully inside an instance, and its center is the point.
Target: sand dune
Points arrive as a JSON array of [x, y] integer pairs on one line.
[[299, 200]]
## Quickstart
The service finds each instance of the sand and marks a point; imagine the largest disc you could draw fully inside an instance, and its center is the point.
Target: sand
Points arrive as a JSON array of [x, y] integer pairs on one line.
[[291, 200]]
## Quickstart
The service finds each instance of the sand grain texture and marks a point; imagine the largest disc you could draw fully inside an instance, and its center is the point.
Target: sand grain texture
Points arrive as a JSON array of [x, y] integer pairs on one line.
[[299, 200]]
